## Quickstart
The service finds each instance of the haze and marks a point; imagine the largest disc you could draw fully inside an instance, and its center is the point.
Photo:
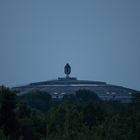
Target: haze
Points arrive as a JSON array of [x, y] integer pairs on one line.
[[100, 39]]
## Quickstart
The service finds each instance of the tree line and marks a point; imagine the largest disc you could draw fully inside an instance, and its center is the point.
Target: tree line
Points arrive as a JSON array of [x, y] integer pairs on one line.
[[79, 116]]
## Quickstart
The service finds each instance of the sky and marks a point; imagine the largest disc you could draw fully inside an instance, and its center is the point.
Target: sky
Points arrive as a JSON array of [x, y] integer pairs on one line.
[[100, 39]]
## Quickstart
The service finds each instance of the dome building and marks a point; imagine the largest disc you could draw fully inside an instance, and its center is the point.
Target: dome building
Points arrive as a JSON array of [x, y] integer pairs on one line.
[[69, 85]]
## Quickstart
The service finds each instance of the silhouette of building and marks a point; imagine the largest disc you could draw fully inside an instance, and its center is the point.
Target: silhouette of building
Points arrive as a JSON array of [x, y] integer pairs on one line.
[[69, 85]]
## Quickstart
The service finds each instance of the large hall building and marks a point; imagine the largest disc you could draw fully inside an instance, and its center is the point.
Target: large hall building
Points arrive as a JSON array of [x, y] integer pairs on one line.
[[69, 85]]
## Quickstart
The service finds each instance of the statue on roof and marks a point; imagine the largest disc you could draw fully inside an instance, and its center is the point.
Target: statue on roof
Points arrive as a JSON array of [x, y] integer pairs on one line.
[[67, 69]]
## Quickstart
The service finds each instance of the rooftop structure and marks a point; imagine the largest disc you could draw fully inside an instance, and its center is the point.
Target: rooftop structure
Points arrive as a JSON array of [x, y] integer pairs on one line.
[[69, 85]]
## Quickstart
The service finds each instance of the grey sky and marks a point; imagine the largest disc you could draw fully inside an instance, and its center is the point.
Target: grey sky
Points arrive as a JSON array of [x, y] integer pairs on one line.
[[99, 38]]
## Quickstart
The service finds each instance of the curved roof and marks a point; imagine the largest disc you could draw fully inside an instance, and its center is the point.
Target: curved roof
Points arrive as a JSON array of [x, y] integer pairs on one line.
[[68, 81]]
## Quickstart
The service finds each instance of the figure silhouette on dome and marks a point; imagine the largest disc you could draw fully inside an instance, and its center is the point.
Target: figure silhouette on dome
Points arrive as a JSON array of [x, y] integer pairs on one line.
[[67, 70]]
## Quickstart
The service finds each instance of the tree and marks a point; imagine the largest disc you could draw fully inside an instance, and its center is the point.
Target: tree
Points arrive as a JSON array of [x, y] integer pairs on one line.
[[37, 99], [85, 97], [136, 99], [8, 120], [64, 122]]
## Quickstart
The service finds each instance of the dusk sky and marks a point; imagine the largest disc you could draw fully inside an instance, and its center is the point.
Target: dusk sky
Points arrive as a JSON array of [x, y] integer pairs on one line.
[[100, 39]]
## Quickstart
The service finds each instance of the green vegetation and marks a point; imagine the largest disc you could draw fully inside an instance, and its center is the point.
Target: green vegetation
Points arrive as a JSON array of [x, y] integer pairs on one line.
[[37, 99], [83, 116]]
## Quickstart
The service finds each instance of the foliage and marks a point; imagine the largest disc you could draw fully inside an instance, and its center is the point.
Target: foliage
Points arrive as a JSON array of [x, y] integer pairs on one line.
[[82, 97], [2, 136], [82, 116], [37, 99], [8, 120]]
